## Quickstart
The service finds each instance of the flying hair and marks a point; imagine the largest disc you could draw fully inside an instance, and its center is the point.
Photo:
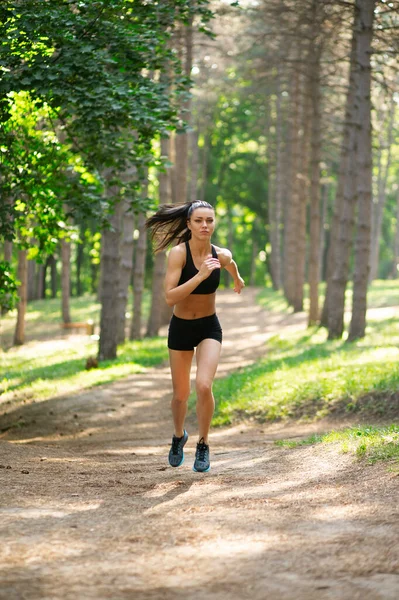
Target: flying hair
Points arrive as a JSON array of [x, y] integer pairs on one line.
[[169, 223]]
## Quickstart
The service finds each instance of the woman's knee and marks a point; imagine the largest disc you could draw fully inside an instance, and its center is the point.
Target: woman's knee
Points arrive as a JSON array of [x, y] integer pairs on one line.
[[181, 396], [203, 387]]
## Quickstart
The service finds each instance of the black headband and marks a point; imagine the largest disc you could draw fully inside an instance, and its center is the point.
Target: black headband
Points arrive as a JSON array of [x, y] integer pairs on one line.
[[198, 204]]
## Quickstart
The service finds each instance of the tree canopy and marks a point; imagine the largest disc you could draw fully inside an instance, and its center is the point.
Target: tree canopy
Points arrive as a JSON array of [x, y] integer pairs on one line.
[[96, 68]]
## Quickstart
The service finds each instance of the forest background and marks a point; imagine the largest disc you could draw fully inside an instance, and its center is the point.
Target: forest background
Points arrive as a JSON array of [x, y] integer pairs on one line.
[[281, 114]]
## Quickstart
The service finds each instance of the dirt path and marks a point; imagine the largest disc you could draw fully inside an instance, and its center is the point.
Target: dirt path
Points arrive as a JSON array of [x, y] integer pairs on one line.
[[90, 510]]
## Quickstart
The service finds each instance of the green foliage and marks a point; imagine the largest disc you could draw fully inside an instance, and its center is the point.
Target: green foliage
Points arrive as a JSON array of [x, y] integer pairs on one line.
[[42, 176], [366, 441], [93, 62], [8, 287], [236, 174], [102, 71]]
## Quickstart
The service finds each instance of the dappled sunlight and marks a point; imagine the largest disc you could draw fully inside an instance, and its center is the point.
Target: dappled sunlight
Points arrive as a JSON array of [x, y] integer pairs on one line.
[[383, 313], [39, 513], [226, 298], [161, 489], [31, 349], [44, 556], [37, 543], [132, 449], [137, 404], [223, 547], [55, 436], [239, 462], [231, 364], [375, 355], [147, 425], [144, 383], [283, 115], [244, 330], [337, 512], [90, 495]]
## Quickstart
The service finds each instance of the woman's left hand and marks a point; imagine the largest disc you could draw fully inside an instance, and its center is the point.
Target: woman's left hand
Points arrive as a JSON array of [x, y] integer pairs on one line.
[[239, 284]]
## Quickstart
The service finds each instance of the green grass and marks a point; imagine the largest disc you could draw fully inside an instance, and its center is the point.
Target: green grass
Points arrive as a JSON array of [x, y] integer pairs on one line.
[[367, 441], [272, 300], [306, 377], [381, 293], [52, 364], [302, 376], [43, 317], [59, 368]]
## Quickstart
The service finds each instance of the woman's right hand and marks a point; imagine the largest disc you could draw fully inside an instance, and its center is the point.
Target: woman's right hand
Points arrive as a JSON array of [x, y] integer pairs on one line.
[[209, 265]]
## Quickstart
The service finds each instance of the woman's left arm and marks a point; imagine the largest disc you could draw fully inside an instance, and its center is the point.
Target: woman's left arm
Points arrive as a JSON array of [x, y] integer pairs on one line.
[[227, 262]]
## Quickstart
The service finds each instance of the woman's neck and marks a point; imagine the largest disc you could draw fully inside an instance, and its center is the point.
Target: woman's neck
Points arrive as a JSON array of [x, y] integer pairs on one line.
[[200, 247]]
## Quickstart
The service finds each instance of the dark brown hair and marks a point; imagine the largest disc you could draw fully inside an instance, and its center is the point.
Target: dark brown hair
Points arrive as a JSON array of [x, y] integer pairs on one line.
[[169, 223]]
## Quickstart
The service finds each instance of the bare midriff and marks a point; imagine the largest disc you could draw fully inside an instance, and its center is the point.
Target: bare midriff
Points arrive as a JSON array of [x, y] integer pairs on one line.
[[196, 306]]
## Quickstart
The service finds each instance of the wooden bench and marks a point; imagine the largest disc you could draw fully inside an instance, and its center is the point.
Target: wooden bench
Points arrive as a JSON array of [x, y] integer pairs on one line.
[[88, 326]]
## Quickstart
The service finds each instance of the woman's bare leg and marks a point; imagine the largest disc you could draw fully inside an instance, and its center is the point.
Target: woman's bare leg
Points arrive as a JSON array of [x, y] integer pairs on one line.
[[180, 366], [208, 353]]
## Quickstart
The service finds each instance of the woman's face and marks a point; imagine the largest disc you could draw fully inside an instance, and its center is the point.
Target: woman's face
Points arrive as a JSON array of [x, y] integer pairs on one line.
[[202, 223]]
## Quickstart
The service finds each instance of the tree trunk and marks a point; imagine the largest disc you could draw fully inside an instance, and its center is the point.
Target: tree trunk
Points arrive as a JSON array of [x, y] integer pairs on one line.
[[139, 279], [204, 166], [7, 243], [100, 275], [159, 308], [230, 242], [323, 237], [292, 205], [53, 275], [172, 172], [40, 282], [181, 138], [79, 265], [32, 287], [7, 246], [272, 201], [66, 280], [43, 290], [275, 234], [125, 267], [253, 261], [334, 227], [363, 170], [156, 315], [302, 189], [194, 166], [395, 266], [110, 283], [22, 276], [341, 248], [7, 250], [315, 246], [383, 170]]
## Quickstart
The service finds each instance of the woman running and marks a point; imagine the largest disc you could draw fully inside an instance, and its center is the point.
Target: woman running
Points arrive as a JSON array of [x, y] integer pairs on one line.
[[191, 280]]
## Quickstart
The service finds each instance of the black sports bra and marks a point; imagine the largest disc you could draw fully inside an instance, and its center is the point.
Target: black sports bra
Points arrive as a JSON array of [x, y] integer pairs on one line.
[[210, 284]]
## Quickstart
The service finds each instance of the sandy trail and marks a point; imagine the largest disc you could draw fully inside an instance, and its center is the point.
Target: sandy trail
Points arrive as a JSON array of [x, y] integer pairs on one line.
[[91, 510]]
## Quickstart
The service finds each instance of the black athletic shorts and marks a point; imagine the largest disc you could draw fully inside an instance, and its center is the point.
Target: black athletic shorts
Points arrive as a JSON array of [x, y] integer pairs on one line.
[[186, 334]]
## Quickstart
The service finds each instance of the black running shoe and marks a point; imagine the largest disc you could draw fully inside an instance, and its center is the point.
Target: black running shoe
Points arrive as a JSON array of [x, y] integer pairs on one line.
[[176, 454], [201, 463]]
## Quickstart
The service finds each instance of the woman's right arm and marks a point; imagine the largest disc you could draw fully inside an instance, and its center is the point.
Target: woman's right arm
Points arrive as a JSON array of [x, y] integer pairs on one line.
[[176, 293]]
